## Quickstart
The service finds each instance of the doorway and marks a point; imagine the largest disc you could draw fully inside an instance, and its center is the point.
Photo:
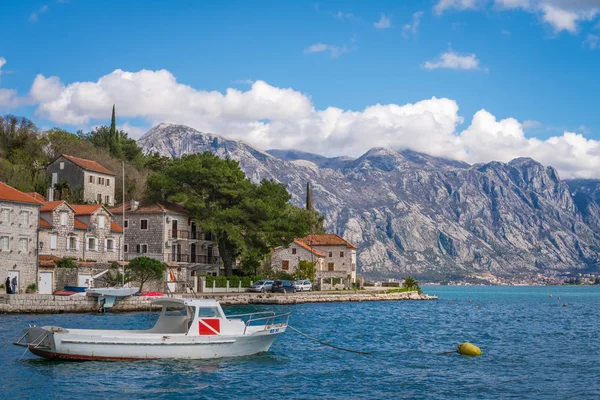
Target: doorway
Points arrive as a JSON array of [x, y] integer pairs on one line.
[[11, 275], [45, 283], [83, 280]]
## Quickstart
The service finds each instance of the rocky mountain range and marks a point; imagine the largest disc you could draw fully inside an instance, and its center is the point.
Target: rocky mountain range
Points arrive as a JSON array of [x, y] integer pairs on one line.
[[411, 213]]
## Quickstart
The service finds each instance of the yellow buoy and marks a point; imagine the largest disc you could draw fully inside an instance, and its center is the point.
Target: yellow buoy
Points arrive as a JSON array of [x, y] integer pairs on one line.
[[469, 349]]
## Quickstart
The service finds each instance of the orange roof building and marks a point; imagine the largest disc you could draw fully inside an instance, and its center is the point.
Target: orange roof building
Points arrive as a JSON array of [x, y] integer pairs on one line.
[[9, 193]]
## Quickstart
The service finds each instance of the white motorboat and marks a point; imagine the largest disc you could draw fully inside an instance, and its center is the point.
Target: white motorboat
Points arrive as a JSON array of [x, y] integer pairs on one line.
[[112, 291], [186, 329]]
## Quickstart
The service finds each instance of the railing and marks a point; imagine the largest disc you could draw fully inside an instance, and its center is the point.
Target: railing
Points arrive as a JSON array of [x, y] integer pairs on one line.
[[204, 259], [179, 258], [181, 234], [270, 321]]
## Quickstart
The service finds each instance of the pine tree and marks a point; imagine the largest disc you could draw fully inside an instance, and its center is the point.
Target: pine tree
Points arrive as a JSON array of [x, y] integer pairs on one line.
[[113, 126], [114, 136]]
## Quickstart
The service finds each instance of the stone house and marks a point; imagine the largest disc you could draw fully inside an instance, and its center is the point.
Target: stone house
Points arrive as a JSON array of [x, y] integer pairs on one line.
[[85, 233], [19, 216], [337, 257], [96, 182], [165, 231]]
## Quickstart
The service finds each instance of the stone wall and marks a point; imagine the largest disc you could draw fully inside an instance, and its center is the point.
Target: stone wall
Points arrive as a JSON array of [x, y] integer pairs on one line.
[[287, 253], [62, 232], [70, 173], [345, 263], [91, 190], [15, 259], [41, 303], [101, 254]]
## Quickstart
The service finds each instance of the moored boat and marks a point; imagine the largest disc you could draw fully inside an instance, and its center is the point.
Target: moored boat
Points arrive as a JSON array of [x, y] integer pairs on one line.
[[186, 329]]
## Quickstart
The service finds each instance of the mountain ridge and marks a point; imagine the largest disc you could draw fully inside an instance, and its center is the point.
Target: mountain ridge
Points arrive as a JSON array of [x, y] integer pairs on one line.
[[412, 213]]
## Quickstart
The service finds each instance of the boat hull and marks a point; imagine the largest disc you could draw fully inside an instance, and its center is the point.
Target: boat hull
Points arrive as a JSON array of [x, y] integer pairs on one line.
[[76, 345]]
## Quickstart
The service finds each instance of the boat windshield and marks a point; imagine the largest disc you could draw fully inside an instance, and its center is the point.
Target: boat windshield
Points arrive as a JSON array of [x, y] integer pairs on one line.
[[175, 320]]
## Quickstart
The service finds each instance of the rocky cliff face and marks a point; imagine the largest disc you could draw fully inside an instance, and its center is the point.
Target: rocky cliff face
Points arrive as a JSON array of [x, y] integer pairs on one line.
[[411, 213]]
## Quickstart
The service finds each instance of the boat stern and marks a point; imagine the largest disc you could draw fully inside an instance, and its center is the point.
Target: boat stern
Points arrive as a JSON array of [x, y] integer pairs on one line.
[[39, 341]]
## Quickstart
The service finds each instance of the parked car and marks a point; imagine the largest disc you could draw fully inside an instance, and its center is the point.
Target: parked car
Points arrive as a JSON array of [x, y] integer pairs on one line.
[[261, 286], [303, 285], [283, 287]]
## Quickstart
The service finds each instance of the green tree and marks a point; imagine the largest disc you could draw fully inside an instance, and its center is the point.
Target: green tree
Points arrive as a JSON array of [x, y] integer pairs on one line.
[[306, 270], [247, 220], [411, 283], [144, 269]]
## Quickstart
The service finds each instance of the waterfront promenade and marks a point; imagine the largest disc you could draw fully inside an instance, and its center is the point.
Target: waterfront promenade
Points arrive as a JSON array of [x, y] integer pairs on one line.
[[50, 304]]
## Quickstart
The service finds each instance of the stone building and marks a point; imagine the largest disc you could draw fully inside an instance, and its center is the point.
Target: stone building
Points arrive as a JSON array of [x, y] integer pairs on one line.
[[334, 255], [19, 216], [85, 233], [165, 231], [96, 182]]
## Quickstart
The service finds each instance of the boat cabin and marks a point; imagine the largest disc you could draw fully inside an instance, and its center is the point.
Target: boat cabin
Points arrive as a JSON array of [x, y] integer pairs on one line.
[[193, 317]]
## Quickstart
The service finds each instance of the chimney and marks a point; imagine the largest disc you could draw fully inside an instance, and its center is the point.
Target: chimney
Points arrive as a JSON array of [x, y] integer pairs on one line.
[[134, 205], [50, 194]]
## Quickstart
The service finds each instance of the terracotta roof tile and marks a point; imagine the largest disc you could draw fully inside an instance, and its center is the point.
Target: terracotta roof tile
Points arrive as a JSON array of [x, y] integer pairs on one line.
[[9, 193], [51, 205], [45, 224], [88, 164], [115, 227], [149, 207], [86, 209], [48, 257], [328, 239], [37, 196], [79, 225], [307, 247]]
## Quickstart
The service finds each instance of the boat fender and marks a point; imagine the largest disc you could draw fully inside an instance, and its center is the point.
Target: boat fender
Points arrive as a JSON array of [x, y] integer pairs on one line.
[[468, 349]]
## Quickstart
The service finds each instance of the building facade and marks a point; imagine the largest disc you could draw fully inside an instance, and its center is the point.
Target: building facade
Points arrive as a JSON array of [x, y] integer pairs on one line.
[[19, 215], [165, 231], [335, 258], [96, 183]]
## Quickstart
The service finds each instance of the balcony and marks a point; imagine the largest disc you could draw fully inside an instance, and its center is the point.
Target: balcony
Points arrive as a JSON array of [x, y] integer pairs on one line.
[[204, 259], [179, 234], [182, 258]]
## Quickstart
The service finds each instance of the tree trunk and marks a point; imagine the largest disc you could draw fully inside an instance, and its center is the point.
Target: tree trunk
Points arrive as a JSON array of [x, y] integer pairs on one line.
[[227, 257]]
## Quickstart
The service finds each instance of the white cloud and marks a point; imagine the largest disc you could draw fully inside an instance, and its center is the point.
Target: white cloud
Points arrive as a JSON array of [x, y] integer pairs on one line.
[[273, 117], [505, 32], [35, 16], [443, 5], [334, 51], [452, 60], [383, 23], [346, 16], [411, 29], [2, 63], [529, 124], [562, 15]]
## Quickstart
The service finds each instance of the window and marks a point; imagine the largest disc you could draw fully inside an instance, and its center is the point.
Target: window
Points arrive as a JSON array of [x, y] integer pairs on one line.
[[92, 244], [107, 198], [330, 254], [285, 265], [126, 224], [99, 198], [293, 250], [341, 254], [53, 240], [144, 224], [5, 215], [144, 248], [110, 246], [24, 218], [137, 248], [101, 221], [4, 243], [331, 267], [126, 248], [91, 179], [23, 245], [62, 165], [63, 219], [54, 178], [107, 182], [72, 242]]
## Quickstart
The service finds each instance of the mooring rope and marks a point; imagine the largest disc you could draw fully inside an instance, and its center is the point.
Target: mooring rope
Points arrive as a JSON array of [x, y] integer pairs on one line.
[[327, 344]]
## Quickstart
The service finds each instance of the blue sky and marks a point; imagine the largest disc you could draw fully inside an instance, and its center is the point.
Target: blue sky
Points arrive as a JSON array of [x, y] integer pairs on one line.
[[533, 63]]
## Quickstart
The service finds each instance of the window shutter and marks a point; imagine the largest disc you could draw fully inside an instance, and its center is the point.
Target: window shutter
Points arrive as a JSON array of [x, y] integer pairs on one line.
[[87, 243], [137, 248], [77, 243], [105, 244], [53, 242]]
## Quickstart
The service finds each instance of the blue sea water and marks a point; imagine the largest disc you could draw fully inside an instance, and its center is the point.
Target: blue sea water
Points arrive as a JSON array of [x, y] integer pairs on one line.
[[533, 347]]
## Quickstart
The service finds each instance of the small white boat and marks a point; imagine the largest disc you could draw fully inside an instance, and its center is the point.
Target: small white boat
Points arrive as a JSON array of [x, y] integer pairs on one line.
[[186, 329], [112, 291]]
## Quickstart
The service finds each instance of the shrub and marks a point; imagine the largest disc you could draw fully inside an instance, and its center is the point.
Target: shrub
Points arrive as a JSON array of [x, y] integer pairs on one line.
[[66, 262], [31, 288]]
